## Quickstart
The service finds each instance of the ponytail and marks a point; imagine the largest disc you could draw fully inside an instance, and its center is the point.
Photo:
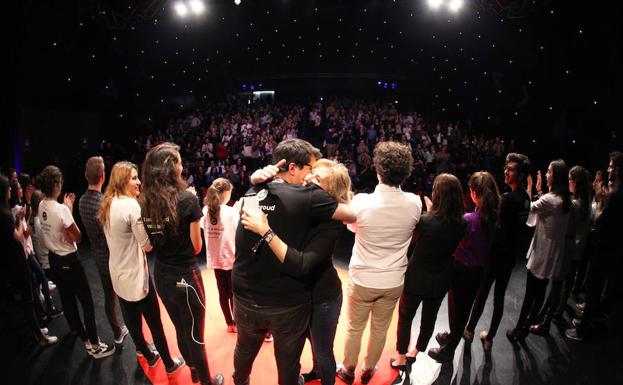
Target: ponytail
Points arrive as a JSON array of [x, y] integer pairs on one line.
[[483, 184], [213, 198]]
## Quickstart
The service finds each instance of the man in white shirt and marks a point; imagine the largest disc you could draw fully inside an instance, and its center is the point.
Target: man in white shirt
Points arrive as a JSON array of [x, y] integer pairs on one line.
[[385, 223]]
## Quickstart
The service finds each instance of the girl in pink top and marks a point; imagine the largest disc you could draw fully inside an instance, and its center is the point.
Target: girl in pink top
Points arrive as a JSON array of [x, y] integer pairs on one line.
[[219, 224]]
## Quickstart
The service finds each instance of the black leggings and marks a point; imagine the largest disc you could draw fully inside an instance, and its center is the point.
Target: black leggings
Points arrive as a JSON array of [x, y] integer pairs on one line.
[[225, 294], [533, 300], [407, 308], [73, 286], [465, 283], [147, 307], [501, 276]]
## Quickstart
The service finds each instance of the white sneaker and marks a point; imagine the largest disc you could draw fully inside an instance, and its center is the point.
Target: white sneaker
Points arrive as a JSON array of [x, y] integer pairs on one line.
[[102, 350], [47, 340], [124, 332], [51, 285], [44, 331]]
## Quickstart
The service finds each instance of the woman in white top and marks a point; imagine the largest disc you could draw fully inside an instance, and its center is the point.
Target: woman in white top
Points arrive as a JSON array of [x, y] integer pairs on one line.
[[549, 214], [60, 234], [120, 215], [219, 224]]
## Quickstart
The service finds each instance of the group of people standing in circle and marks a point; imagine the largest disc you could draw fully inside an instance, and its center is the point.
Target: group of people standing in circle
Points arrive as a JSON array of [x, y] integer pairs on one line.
[[272, 256]]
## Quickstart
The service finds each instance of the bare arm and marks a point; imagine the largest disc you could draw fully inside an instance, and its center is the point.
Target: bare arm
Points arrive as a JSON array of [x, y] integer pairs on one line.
[[344, 213], [195, 236], [73, 233]]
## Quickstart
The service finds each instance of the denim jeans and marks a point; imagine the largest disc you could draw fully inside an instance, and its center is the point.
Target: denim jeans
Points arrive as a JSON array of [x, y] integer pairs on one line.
[[323, 326], [288, 326]]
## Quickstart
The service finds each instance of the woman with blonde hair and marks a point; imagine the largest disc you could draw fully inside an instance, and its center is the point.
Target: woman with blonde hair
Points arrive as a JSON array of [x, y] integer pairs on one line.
[[120, 216], [219, 224], [314, 263]]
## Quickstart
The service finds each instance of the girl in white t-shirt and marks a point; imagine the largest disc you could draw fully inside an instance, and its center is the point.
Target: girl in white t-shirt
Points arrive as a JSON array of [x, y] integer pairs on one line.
[[60, 234], [219, 228], [120, 216]]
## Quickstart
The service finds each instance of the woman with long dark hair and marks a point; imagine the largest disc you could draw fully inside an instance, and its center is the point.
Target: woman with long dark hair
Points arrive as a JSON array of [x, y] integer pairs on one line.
[[428, 275], [171, 217], [470, 258], [549, 214], [219, 228], [577, 235], [120, 216]]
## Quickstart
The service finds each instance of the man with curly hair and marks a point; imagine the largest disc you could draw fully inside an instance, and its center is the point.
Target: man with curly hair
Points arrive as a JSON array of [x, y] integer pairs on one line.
[[386, 219]]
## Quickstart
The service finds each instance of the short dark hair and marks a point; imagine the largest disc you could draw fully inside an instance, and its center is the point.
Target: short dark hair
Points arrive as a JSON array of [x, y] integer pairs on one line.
[[295, 151], [49, 177], [393, 162], [94, 169], [24, 180], [523, 164]]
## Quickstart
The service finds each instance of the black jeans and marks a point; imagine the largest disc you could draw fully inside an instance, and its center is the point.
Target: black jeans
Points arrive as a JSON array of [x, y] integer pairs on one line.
[[187, 312], [288, 326], [322, 329], [533, 300], [465, 283], [225, 294], [110, 308], [38, 278], [73, 286], [501, 277], [407, 308], [147, 307]]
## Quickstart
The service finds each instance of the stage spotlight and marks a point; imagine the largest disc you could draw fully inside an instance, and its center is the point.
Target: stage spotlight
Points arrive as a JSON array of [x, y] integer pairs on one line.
[[237, 2], [181, 9], [435, 4], [197, 6], [455, 5]]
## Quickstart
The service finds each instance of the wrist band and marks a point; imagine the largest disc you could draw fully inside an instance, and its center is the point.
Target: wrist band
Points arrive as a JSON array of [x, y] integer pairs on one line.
[[267, 237]]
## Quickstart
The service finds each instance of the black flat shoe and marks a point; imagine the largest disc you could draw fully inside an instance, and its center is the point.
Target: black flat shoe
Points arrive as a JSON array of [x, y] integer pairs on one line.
[[392, 363]]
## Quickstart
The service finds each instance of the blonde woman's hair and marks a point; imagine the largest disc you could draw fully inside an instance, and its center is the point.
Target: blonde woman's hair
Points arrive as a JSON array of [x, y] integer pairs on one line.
[[338, 183], [213, 198], [117, 186]]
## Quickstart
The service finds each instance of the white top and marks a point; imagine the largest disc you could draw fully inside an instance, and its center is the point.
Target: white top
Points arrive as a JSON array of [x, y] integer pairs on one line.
[[55, 220], [385, 223], [546, 253], [26, 240], [220, 238], [127, 238], [37, 241]]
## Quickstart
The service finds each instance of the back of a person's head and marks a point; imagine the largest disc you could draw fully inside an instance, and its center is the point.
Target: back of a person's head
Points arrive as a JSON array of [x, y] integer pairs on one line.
[[447, 198], [213, 197], [483, 184], [24, 180], [48, 179], [296, 151], [94, 170], [393, 162], [560, 182]]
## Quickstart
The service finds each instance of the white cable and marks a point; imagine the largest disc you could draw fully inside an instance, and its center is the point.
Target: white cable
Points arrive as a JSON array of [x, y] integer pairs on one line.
[[186, 285]]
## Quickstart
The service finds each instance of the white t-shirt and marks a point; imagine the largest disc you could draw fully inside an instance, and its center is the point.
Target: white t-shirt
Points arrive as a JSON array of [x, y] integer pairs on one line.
[[127, 238], [220, 238], [55, 219], [37, 241], [385, 223]]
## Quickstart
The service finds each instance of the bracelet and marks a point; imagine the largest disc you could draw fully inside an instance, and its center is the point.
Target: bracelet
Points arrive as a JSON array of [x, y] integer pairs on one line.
[[268, 236]]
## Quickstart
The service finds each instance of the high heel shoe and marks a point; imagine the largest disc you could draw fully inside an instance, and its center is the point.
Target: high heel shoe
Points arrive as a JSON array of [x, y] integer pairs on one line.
[[486, 343]]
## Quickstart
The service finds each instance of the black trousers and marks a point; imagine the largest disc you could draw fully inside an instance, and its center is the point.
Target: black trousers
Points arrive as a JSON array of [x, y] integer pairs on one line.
[[187, 312], [225, 294], [501, 276], [110, 305], [288, 326], [73, 286], [533, 300], [465, 283], [147, 307], [407, 308]]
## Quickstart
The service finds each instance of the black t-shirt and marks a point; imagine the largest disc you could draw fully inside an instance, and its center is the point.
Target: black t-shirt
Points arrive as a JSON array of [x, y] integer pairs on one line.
[[315, 262], [293, 213], [175, 248], [512, 229]]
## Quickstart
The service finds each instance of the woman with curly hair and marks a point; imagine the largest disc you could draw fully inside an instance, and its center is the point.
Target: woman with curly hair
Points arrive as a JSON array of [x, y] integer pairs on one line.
[[120, 216], [469, 259], [171, 216]]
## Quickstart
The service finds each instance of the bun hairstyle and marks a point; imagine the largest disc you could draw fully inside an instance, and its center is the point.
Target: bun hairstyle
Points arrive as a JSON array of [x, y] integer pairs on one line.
[[483, 185], [213, 198]]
